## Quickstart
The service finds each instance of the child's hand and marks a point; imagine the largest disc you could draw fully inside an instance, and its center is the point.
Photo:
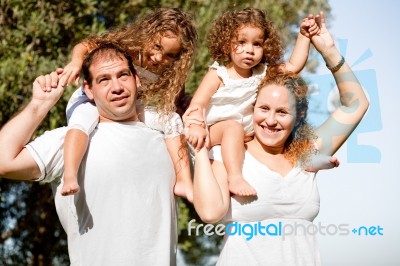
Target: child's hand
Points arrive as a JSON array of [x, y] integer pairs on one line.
[[309, 27], [193, 115], [71, 73], [197, 136]]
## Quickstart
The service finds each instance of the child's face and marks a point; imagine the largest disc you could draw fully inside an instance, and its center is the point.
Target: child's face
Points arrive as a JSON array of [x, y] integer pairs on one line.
[[248, 51], [162, 52]]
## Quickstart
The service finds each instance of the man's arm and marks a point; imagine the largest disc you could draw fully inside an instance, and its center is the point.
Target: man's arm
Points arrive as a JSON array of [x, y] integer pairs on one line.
[[15, 161]]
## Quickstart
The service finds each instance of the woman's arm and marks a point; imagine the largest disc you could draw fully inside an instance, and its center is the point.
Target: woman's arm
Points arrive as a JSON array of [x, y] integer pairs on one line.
[[209, 85], [353, 101], [298, 59], [211, 196]]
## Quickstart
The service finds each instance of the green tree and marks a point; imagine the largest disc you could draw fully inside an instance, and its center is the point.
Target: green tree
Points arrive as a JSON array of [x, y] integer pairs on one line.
[[35, 38]]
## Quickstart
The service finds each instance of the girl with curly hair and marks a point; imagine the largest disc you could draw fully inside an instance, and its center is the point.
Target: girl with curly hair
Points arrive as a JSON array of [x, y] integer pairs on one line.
[[162, 46], [287, 195], [243, 44]]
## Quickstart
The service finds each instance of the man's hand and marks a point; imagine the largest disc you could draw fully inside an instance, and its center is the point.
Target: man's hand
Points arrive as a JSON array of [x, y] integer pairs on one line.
[[46, 91]]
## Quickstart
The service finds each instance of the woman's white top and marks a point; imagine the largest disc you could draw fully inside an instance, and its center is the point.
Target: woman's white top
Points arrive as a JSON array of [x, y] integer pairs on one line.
[[286, 205]]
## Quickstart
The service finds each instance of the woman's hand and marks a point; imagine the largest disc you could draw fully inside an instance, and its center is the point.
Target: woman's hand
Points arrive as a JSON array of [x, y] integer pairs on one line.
[[323, 40], [196, 131]]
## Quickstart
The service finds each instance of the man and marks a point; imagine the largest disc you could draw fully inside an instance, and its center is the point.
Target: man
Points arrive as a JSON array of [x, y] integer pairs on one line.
[[125, 211]]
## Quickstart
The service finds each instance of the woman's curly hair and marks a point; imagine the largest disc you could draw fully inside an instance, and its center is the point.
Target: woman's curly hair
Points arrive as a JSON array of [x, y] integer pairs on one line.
[[137, 35], [223, 36], [301, 143]]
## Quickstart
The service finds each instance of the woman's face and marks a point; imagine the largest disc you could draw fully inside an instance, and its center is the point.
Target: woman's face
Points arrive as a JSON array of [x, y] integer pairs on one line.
[[161, 53], [274, 116]]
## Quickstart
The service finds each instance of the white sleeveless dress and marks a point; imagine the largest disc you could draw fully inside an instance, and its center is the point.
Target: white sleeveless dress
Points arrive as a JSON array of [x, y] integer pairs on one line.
[[235, 99], [285, 202]]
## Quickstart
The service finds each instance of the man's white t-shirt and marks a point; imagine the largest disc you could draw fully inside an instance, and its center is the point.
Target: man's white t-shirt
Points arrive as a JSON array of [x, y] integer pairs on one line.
[[125, 211]]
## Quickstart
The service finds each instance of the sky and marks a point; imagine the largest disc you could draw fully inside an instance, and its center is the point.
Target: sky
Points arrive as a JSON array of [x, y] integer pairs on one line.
[[365, 189]]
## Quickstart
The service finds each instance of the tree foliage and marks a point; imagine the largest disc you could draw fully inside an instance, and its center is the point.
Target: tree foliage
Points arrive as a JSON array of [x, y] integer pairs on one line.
[[36, 36]]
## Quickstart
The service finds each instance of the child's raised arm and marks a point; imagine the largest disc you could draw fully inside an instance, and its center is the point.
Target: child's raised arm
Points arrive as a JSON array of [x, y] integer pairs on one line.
[[298, 59], [72, 70]]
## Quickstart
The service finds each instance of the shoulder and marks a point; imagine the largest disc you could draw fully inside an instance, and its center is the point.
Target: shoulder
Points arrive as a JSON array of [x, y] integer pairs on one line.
[[47, 151], [260, 70], [170, 125], [219, 70], [211, 79], [215, 65]]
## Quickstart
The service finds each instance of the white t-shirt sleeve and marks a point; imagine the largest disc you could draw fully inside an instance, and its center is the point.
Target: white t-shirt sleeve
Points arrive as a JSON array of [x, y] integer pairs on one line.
[[81, 113], [47, 151], [170, 125]]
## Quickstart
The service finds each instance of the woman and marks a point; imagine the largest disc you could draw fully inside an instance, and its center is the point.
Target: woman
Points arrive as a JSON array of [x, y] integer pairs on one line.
[[287, 196]]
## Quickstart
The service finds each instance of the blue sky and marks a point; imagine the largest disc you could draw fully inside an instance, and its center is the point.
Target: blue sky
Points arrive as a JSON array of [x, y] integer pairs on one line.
[[367, 192]]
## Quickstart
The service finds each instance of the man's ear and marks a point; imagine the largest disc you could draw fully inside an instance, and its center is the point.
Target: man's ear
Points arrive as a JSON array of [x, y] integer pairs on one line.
[[137, 79], [88, 90]]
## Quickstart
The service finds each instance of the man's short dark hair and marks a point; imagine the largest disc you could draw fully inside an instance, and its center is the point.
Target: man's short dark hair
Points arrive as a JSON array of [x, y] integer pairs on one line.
[[106, 51]]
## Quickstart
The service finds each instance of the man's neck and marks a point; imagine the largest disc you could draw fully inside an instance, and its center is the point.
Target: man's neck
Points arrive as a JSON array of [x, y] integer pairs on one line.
[[132, 119]]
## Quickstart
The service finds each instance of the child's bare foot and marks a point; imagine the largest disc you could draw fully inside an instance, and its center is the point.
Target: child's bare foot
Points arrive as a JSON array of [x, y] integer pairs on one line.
[[184, 190], [240, 187], [69, 188]]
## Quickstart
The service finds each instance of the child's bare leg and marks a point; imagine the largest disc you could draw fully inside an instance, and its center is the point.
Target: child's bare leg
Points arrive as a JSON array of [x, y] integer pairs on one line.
[[75, 145], [230, 135], [177, 149]]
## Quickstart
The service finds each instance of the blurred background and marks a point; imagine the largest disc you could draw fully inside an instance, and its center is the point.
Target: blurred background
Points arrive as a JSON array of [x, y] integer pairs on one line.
[[38, 36]]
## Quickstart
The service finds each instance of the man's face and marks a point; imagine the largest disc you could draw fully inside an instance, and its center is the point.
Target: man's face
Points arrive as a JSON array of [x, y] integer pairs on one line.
[[113, 89]]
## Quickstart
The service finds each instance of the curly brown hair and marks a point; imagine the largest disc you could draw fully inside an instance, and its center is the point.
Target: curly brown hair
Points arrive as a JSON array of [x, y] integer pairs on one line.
[[300, 145], [223, 36], [139, 34]]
